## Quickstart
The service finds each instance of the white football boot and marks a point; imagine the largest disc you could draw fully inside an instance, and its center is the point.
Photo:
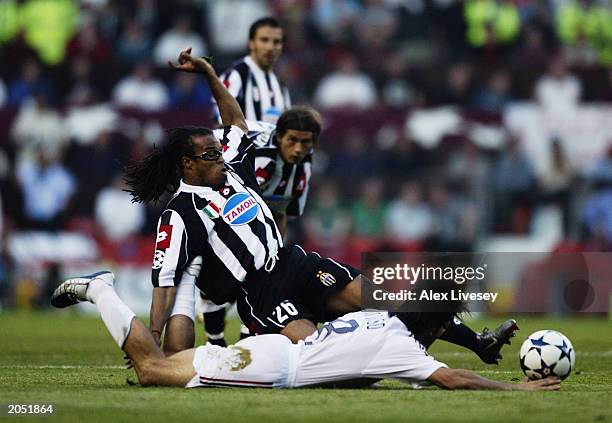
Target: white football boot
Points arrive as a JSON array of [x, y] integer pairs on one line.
[[73, 291]]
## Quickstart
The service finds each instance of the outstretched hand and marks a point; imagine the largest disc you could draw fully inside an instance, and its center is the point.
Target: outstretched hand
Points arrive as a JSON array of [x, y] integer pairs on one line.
[[546, 384], [189, 63]]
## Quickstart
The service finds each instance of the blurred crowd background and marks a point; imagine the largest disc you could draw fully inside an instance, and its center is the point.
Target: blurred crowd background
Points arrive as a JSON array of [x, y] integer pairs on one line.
[[469, 125]]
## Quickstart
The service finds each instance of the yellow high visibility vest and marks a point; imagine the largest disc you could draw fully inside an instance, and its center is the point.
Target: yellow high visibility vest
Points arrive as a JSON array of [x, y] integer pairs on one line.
[[48, 25], [503, 19]]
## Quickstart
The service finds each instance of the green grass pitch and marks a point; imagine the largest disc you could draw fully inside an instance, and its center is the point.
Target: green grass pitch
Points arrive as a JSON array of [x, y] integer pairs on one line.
[[69, 360]]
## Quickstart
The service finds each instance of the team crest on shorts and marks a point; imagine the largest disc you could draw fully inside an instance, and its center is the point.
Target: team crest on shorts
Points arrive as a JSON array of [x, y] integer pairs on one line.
[[240, 208], [158, 259], [326, 279]]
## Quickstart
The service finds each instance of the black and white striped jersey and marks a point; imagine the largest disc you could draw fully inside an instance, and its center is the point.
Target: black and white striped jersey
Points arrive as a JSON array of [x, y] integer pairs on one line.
[[262, 97], [231, 227], [284, 186]]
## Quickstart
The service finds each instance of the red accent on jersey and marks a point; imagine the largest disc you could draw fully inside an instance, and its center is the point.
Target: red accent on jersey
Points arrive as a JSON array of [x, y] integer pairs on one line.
[[262, 173], [164, 236], [226, 83]]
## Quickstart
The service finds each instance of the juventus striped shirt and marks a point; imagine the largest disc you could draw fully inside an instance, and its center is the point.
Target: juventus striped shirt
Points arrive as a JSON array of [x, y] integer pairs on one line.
[[284, 186], [232, 228], [262, 97]]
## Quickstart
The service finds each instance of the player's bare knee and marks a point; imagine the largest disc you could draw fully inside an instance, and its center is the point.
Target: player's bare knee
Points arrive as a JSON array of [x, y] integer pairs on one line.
[[147, 371]]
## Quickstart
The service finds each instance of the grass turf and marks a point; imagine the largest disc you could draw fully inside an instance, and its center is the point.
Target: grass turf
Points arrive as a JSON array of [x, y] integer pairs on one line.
[[69, 360]]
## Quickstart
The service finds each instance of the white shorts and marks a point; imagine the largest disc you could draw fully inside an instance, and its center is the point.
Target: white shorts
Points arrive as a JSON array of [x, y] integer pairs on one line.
[[264, 361], [362, 345]]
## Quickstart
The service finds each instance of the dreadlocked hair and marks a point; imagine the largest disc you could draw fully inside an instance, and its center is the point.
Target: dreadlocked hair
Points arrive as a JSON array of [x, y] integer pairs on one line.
[[161, 171]]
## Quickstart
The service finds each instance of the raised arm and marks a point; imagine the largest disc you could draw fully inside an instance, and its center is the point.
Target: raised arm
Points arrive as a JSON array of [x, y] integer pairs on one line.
[[465, 379], [229, 109]]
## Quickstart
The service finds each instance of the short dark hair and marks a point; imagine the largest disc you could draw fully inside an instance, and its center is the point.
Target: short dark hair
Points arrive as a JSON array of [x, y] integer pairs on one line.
[[161, 171], [300, 118], [259, 23]]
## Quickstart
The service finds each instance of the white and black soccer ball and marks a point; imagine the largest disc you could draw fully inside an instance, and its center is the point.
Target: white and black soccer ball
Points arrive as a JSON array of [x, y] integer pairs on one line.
[[547, 353]]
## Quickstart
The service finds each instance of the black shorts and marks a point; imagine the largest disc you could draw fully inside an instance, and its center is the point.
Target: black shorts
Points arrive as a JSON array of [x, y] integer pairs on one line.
[[296, 288]]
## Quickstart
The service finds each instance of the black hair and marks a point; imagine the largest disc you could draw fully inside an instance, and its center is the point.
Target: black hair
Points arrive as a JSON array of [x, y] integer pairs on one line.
[[149, 178], [260, 23], [300, 118]]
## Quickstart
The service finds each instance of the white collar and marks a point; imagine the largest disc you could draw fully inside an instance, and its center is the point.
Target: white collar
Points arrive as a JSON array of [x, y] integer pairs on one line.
[[249, 61], [195, 189]]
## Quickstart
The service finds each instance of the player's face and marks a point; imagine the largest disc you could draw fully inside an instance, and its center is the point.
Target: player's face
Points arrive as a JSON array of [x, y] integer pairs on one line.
[[266, 46], [206, 166], [294, 145]]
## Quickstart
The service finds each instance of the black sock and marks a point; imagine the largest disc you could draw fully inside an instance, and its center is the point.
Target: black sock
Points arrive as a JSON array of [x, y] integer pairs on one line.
[[459, 334], [214, 325]]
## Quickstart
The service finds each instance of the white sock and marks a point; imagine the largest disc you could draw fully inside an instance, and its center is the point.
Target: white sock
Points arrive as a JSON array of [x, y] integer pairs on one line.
[[244, 330], [115, 314]]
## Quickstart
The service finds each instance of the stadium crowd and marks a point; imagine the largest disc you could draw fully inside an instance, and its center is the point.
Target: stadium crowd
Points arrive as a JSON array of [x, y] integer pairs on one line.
[[85, 87]]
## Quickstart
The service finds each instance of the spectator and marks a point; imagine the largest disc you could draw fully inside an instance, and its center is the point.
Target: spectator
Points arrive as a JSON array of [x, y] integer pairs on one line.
[[346, 87], [38, 125], [405, 159], [376, 25], [134, 45], [335, 18], [496, 94], [48, 25], [88, 43], [470, 171], [555, 181], [2, 94], [116, 214], [179, 37], [369, 211], [457, 88], [597, 218], [514, 183], [81, 90], [397, 91], [533, 50], [602, 170], [453, 221], [327, 224], [30, 81], [408, 219], [557, 91], [139, 90], [47, 188], [229, 22], [146, 13], [188, 90], [353, 162]]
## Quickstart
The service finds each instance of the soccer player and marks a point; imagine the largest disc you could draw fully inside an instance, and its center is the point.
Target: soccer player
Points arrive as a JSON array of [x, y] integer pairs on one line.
[[217, 213], [283, 160], [260, 94], [218, 221], [358, 348]]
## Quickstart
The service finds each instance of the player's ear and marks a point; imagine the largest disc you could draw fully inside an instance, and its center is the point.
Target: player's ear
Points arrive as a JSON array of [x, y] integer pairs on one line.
[[186, 162]]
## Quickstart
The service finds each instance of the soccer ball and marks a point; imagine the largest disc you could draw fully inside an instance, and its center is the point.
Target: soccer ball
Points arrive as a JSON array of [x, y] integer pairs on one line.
[[547, 353]]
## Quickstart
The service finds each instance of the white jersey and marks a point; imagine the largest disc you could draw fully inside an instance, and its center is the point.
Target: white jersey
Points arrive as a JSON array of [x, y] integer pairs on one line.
[[370, 345]]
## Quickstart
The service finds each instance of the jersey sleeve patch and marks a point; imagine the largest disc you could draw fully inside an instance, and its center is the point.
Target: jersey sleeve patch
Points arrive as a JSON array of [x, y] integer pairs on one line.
[[164, 237]]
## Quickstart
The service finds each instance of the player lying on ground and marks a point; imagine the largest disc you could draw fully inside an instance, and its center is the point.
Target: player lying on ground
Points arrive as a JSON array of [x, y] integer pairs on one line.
[[359, 346], [217, 216]]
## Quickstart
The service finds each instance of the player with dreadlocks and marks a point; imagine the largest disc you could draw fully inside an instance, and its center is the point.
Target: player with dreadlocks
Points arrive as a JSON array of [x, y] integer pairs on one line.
[[218, 234]]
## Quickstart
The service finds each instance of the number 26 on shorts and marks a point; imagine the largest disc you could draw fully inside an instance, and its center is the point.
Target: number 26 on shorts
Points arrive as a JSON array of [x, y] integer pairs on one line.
[[283, 311]]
